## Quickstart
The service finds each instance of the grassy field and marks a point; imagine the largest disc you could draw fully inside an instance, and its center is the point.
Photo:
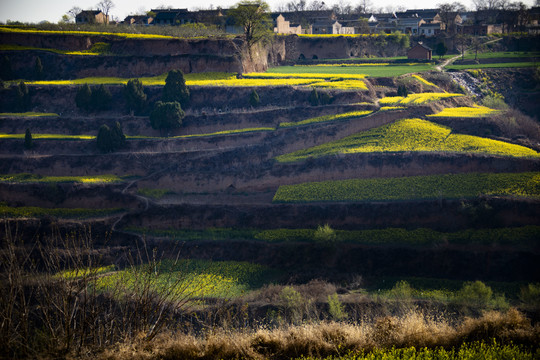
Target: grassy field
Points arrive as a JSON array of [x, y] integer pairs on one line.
[[411, 135], [370, 71], [39, 212], [33, 178], [452, 186], [466, 112], [492, 65]]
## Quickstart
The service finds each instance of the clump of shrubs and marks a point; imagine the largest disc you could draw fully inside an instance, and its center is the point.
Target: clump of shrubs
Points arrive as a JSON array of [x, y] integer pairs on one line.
[[97, 99], [110, 139]]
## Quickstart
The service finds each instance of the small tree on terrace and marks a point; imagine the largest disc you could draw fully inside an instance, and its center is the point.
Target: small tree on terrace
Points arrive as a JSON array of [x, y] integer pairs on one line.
[[135, 96], [166, 115], [101, 98], [175, 88], [28, 140], [83, 98], [253, 17], [110, 139], [38, 69], [314, 97], [23, 97], [441, 50], [254, 99]]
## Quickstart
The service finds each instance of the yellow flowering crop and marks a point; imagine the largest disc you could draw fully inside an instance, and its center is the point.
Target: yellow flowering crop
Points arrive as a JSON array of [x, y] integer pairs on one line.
[[49, 136], [390, 108], [251, 82], [422, 80], [87, 33], [28, 114], [349, 115], [416, 99], [304, 76], [343, 84], [411, 135], [467, 112]]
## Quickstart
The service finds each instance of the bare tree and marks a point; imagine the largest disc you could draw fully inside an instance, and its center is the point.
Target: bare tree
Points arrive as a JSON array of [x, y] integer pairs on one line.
[[448, 13], [364, 7], [317, 5], [486, 4], [299, 5], [73, 12], [342, 7], [105, 6]]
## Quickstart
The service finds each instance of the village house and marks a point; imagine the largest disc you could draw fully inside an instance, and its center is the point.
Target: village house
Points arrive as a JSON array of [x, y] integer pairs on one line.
[[138, 20], [91, 17], [284, 27], [419, 52]]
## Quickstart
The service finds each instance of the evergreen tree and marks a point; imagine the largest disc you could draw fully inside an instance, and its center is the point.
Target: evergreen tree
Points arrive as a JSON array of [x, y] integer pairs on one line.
[[254, 99], [175, 88], [83, 98], [325, 98], [118, 136], [314, 97], [104, 139], [101, 99], [135, 96], [23, 97], [28, 140], [38, 69], [441, 49], [166, 115]]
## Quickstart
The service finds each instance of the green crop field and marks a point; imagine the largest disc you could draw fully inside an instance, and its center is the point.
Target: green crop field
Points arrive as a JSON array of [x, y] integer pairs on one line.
[[327, 118], [492, 65], [451, 186], [411, 135], [193, 278], [38, 212], [33, 178], [389, 70], [29, 114]]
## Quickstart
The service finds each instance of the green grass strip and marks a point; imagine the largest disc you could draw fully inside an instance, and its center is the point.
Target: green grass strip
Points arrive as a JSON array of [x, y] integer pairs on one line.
[[49, 136], [33, 178], [492, 66], [452, 186], [372, 71], [411, 135], [6, 47], [69, 213], [326, 118], [29, 114]]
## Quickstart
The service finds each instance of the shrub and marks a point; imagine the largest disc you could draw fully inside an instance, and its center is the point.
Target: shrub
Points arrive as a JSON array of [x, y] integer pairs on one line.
[[101, 99], [530, 295], [402, 91], [325, 98], [402, 290], [108, 139], [254, 99], [175, 89], [475, 293], [28, 139], [336, 308], [325, 234], [314, 97], [38, 69], [83, 98], [494, 102], [166, 115], [22, 97], [135, 96]]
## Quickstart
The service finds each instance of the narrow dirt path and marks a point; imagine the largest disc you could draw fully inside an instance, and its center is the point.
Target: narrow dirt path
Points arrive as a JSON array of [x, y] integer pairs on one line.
[[446, 62]]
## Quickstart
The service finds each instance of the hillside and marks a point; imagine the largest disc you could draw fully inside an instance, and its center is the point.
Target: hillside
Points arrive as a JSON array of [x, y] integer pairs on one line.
[[380, 171]]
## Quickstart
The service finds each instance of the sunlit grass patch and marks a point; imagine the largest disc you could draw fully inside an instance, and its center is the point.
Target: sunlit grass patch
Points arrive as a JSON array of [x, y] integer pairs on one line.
[[345, 65], [466, 112], [7, 47], [49, 136], [369, 71], [416, 99], [252, 82], [29, 114], [340, 35], [33, 178], [79, 273], [451, 186], [274, 75], [326, 118], [84, 33], [217, 133], [191, 278], [344, 84], [38, 212], [411, 135], [153, 193]]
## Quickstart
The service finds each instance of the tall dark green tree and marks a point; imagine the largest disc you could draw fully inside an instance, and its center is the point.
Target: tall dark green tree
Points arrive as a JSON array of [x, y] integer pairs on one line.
[[38, 69], [101, 98], [254, 99], [135, 96], [28, 140], [175, 88], [110, 139], [166, 115], [314, 97], [441, 49], [22, 97], [83, 98]]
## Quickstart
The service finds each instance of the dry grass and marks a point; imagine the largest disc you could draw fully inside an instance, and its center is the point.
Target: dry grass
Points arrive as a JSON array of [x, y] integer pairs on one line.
[[322, 339]]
